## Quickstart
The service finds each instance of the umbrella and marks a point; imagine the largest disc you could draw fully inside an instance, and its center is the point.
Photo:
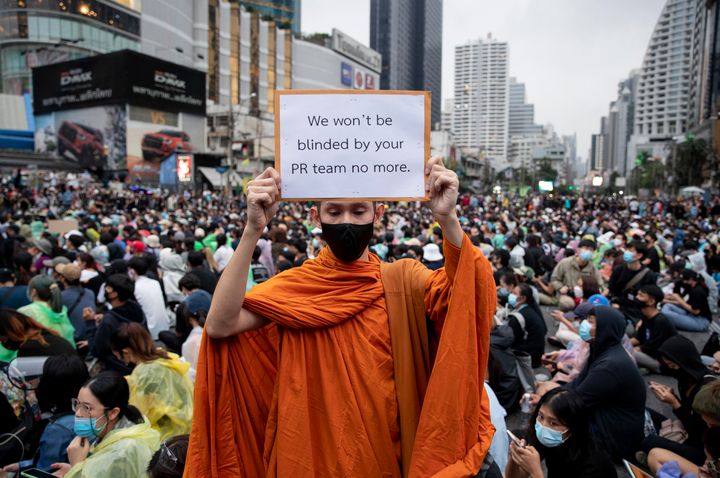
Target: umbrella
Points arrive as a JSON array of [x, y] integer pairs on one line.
[[692, 190]]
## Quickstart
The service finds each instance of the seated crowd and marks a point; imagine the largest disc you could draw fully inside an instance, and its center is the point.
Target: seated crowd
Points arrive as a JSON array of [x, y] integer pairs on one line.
[[604, 345]]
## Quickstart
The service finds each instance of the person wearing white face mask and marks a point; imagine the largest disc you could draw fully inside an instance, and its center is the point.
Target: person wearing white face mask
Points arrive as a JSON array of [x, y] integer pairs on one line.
[[569, 270], [610, 384], [559, 435]]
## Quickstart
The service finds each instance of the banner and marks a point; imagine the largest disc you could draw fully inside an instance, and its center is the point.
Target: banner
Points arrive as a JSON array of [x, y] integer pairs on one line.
[[352, 144], [121, 77]]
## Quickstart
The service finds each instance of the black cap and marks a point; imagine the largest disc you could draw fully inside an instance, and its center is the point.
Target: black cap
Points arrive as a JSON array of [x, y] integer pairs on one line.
[[653, 291], [7, 275], [689, 274]]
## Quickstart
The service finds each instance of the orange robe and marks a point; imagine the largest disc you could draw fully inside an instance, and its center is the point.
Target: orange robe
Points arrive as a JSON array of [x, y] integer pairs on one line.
[[349, 379]]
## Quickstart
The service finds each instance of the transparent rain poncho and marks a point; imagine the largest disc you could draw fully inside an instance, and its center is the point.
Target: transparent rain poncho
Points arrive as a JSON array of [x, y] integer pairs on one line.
[[123, 452], [163, 392]]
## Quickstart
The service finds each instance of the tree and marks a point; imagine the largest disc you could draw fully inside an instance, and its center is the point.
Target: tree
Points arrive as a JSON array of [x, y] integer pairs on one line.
[[545, 170], [690, 159], [648, 173]]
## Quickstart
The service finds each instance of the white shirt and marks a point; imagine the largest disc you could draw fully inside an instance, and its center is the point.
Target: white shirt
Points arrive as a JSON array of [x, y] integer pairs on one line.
[[149, 295], [222, 257], [191, 347]]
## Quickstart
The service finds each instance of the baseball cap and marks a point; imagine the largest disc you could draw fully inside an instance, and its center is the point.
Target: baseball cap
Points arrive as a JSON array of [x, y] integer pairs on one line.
[[138, 246], [597, 300], [7, 275], [198, 301], [55, 261], [580, 312], [69, 271]]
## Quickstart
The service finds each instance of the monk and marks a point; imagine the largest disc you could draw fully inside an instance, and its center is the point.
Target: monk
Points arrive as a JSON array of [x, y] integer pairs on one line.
[[347, 367]]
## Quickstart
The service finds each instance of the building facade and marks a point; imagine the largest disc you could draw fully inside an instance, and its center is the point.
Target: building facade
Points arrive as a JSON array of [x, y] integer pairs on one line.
[[663, 96], [283, 12], [481, 112], [521, 118], [408, 35], [44, 32]]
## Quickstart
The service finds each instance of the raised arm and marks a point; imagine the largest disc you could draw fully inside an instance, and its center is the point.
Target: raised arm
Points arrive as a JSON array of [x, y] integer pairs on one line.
[[227, 316]]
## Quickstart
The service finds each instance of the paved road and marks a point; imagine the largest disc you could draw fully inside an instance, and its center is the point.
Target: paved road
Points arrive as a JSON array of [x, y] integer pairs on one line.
[[513, 421]]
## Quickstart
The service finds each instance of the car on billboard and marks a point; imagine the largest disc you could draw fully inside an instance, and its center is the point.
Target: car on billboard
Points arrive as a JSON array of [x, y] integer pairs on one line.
[[84, 143], [160, 145]]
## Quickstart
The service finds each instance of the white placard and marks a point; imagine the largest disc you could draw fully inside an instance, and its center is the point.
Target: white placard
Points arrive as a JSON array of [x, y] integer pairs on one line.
[[333, 145]]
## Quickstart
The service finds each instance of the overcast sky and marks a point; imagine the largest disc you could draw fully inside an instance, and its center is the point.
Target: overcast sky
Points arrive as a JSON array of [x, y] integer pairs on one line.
[[570, 53]]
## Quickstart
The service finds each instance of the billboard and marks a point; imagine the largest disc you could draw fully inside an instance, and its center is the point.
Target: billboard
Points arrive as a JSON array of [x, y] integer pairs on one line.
[[94, 138], [346, 74], [353, 49], [121, 77], [153, 136]]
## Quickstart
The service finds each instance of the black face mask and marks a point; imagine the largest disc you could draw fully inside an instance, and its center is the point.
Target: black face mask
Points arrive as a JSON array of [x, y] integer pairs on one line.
[[347, 241], [13, 345]]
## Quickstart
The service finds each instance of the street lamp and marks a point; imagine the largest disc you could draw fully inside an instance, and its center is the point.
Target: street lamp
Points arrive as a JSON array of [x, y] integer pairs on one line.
[[231, 135]]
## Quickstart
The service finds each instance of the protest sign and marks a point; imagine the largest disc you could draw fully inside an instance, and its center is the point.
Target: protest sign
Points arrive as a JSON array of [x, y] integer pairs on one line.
[[62, 226], [352, 144]]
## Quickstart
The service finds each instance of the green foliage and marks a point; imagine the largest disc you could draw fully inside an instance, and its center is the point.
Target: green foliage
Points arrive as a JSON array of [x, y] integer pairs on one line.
[[545, 171], [690, 160], [650, 174]]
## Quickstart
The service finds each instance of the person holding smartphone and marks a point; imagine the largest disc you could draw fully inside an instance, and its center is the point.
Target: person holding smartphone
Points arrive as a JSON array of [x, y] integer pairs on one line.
[[113, 438], [560, 435]]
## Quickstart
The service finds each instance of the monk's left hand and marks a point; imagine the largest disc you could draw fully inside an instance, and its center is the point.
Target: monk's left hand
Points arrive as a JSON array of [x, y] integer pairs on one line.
[[442, 188]]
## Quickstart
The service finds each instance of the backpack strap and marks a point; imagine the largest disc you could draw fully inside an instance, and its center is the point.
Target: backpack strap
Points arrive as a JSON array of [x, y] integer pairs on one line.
[[636, 279], [521, 320], [77, 301]]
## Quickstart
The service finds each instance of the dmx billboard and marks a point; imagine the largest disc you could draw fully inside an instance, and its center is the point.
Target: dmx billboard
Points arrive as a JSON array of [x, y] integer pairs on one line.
[[123, 77]]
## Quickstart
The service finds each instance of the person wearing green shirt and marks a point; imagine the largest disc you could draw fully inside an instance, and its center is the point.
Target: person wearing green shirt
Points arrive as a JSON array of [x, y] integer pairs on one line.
[[47, 308]]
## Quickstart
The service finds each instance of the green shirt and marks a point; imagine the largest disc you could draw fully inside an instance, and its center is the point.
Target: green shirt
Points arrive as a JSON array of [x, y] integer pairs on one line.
[[48, 318]]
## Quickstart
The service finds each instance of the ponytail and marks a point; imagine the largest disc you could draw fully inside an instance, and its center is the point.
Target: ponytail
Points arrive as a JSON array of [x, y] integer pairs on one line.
[[48, 291], [112, 391]]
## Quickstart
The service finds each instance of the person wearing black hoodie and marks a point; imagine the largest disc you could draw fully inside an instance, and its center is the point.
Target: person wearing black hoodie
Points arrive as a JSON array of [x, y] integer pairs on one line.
[[681, 360], [119, 292], [610, 384]]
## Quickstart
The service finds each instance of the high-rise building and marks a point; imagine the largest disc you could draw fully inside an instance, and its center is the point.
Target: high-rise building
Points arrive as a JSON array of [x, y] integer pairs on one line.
[[447, 114], [408, 35], [40, 33], [285, 13], [480, 116], [620, 125], [521, 114], [663, 92], [598, 148]]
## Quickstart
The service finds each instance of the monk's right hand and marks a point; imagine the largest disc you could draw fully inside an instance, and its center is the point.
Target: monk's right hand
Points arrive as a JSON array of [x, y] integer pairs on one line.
[[262, 199]]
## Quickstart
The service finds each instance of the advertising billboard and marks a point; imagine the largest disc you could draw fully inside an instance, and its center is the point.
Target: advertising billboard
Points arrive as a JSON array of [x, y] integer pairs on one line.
[[121, 77], [353, 49], [346, 74], [184, 168], [153, 136], [94, 138]]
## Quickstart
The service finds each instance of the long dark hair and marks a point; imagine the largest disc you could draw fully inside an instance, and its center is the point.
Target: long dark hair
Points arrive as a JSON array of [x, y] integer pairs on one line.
[[527, 292], [62, 377], [20, 328], [571, 411], [112, 390], [135, 337]]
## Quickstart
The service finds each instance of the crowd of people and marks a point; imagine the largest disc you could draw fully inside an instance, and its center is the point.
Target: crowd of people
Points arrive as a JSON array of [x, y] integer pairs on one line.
[[111, 287]]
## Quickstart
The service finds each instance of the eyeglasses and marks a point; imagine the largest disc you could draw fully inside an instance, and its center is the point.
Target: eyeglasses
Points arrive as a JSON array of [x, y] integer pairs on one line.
[[78, 406], [168, 459], [713, 467]]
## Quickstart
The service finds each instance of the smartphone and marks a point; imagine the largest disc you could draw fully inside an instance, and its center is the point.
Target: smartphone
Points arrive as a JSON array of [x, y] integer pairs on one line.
[[513, 438], [35, 473]]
